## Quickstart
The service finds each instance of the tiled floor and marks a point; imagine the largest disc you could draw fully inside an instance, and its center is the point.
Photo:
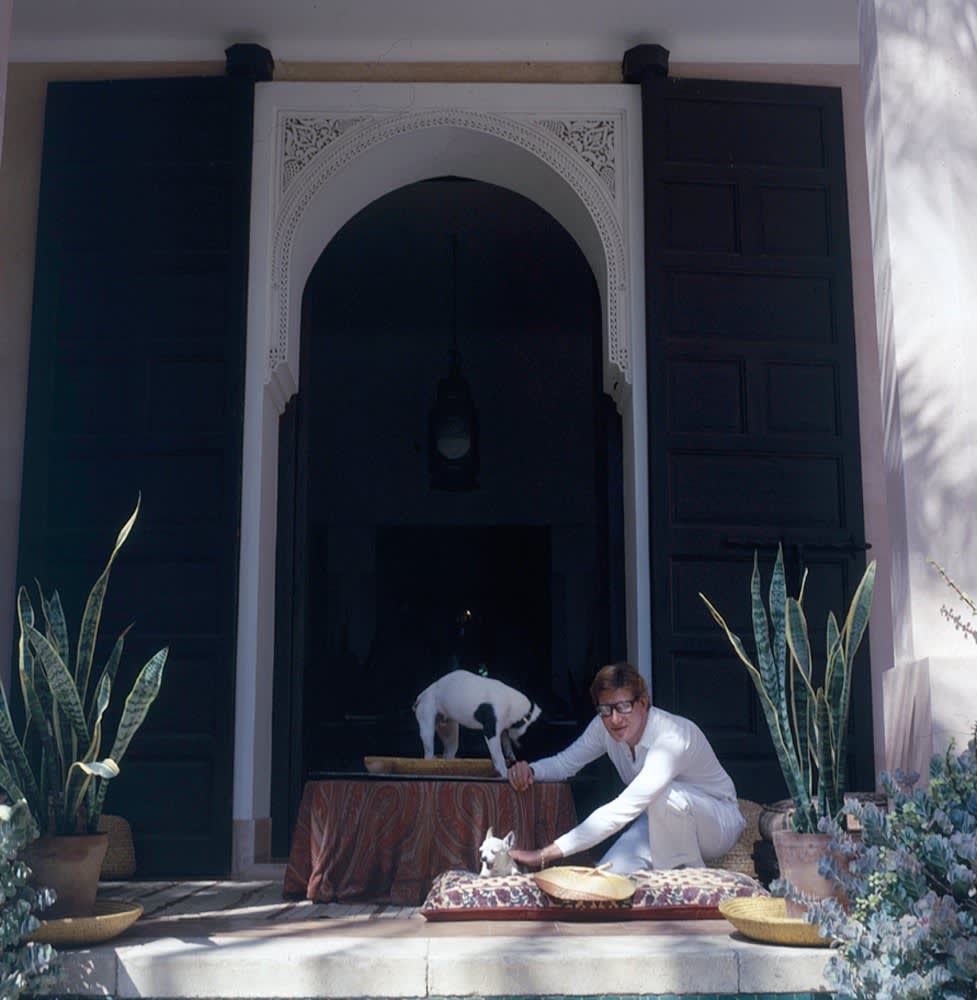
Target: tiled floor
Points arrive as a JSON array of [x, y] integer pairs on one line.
[[242, 939]]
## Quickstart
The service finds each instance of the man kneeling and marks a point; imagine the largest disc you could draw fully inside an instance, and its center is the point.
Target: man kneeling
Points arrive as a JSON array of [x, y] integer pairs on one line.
[[679, 806]]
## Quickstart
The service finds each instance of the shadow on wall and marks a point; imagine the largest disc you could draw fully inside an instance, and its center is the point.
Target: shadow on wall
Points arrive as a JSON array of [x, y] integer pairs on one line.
[[923, 181]]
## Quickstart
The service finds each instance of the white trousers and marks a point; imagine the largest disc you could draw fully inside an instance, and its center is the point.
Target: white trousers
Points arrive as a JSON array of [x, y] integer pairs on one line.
[[681, 827]]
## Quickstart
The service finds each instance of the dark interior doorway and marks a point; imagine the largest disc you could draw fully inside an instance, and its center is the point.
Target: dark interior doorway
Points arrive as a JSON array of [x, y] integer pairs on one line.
[[377, 569]]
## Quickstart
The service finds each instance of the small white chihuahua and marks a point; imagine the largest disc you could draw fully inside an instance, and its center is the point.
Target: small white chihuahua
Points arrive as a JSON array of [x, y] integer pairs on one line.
[[494, 854], [500, 712]]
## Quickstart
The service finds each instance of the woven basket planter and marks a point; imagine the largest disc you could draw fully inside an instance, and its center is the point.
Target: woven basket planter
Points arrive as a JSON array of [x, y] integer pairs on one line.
[[120, 858]]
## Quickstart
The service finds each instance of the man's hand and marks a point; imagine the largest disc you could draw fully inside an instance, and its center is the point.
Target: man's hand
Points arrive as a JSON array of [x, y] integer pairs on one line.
[[520, 776], [536, 859]]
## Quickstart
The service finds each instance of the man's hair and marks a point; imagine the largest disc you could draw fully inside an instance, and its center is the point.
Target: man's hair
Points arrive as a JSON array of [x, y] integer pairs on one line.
[[618, 675]]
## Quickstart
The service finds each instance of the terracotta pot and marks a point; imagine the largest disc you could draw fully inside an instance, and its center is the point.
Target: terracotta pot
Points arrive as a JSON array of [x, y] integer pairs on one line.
[[70, 866], [798, 855]]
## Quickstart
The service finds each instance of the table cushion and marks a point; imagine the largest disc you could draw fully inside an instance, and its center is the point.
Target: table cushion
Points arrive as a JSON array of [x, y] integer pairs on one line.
[[681, 894]]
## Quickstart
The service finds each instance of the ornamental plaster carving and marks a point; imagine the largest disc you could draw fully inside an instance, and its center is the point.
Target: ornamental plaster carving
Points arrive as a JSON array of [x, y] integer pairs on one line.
[[304, 137], [315, 147], [592, 139]]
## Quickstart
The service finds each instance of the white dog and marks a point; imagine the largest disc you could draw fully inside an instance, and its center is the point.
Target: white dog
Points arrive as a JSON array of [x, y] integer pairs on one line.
[[494, 854], [502, 714]]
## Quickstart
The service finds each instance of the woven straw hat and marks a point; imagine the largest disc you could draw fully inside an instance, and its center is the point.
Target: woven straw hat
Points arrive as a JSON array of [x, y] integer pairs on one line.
[[574, 882]]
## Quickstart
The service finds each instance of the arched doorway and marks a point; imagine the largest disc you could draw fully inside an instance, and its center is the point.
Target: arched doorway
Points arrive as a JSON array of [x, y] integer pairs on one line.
[[323, 153], [520, 577]]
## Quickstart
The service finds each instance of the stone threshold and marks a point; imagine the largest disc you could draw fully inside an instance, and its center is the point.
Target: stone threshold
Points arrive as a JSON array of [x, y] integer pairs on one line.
[[242, 940]]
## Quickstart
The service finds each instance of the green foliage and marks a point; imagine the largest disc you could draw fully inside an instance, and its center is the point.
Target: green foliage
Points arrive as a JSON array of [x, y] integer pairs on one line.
[[57, 764], [25, 966], [912, 880], [808, 724]]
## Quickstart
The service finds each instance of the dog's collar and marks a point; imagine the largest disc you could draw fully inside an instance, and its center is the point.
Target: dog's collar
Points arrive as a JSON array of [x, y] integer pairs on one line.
[[526, 719]]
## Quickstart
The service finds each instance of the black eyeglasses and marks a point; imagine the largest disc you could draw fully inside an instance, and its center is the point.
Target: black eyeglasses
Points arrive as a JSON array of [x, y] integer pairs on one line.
[[621, 707]]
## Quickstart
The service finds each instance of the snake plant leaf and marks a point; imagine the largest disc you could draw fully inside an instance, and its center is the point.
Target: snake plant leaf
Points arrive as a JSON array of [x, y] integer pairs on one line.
[[90, 797], [798, 639], [12, 752], [76, 790], [106, 768], [837, 686], [777, 599], [835, 649], [143, 694], [103, 695], [25, 658], [761, 638], [51, 753], [734, 639], [56, 632], [773, 671], [802, 689], [57, 628], [14, 759], [856, 623], [110, 669], [828, 804], [859, 612], [101, 703], [83, 792], [766, 702], [9, 784], [61, 682], [92, 616], [801, 692]]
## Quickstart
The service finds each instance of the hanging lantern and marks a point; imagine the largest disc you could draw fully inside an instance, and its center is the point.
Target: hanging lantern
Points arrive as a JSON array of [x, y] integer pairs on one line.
[[453, 421]]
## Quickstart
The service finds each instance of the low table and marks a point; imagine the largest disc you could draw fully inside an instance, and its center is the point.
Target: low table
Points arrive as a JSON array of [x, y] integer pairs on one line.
[[385, 839]]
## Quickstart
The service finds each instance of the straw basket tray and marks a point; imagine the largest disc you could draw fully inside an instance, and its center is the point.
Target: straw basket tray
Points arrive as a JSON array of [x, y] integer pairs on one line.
[[461, 767], [573, 882], [764, 918], [111, 918]]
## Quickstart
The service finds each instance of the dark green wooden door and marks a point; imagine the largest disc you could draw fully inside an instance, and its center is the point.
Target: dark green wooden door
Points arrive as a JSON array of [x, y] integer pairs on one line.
[[753, 421], [136, 385]]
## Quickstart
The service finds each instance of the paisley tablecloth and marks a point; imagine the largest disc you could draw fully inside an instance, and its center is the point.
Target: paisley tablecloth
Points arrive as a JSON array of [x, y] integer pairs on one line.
[[386, 840]]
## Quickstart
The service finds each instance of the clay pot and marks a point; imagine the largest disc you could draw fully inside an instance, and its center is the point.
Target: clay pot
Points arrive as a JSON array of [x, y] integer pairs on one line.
[[70, 866], [798, 855]]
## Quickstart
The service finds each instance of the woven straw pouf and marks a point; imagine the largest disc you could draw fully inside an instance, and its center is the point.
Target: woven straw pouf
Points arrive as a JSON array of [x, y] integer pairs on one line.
[[740, 857], [120, 858]]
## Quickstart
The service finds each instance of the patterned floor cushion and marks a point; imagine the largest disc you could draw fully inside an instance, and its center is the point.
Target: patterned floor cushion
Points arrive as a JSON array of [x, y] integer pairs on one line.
[[683, 894]]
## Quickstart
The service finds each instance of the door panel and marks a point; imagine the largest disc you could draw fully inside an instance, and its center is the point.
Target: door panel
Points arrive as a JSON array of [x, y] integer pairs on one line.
[[753, 423], [136, 386]]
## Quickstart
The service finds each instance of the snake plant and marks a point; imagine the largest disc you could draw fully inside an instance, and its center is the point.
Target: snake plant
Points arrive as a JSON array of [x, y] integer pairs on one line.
[[808, 724], [57, 763]]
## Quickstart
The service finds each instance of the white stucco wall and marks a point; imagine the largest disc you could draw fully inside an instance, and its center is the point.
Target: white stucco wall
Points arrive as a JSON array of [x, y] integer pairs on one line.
[[919, 68]]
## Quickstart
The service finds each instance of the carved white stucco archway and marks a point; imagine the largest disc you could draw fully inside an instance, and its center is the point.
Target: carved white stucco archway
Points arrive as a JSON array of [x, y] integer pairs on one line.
[[322, 152]]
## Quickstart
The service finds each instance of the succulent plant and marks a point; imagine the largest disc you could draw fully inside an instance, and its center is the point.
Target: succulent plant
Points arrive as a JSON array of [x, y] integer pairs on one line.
[[57, 764], [808, 723]]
